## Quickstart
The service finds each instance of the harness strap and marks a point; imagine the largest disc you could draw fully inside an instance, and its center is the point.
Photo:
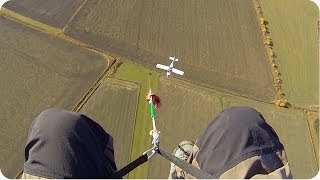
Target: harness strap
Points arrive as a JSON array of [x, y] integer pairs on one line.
[[128, 168], [190, 169]]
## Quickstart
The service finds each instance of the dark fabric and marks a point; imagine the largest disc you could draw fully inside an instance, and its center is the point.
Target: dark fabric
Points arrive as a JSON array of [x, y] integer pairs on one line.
[[63, 144], [235, 135], [190, 169], [131, 166]]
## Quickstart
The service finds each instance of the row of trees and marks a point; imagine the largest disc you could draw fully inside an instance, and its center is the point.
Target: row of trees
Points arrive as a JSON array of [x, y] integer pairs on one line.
[[280, 96]]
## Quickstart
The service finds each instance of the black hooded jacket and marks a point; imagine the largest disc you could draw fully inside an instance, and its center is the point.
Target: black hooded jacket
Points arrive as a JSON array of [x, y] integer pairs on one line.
[[63, 144]]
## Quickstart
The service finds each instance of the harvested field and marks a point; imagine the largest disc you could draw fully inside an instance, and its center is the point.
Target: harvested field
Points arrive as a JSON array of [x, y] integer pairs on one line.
[[37, 72], [292, 129], [219, 47], [54, 13], [141, 139], [294, 34], [114, 106], [187, 110], [218, 42]]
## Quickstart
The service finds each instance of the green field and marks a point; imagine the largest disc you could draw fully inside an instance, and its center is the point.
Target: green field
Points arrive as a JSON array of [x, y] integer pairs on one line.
[[114, 106], [141, 138], [37, 72], [294, 33], [218, 42]]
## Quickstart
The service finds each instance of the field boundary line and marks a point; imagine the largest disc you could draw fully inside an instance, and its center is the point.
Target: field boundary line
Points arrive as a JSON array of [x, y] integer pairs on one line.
[[57, 33], [127, 81], [107, 72], [74, 14], [306, 114], [136, 112], [216, 91], [139, 23], [306, 109], [135, 85], [135, 122], [219, 91], [134, 135], [52, 31], [29, 22], [136, 73], [202, 85], [280, 99], [123, 83]]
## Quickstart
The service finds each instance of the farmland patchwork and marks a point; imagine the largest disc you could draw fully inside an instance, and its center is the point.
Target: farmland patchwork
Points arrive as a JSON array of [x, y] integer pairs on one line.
[[98, 57]]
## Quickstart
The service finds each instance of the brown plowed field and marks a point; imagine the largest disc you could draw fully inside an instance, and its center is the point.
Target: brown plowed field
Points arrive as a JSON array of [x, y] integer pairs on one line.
[[55, 13], [218, 42], [37, 72], [114, 106]]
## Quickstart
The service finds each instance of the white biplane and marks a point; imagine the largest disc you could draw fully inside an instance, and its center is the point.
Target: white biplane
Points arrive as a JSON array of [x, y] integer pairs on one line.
[[170, 68]]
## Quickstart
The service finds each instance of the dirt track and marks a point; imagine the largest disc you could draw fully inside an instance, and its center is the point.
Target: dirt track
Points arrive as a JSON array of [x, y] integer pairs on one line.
[[218, 42], [37, 72]]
